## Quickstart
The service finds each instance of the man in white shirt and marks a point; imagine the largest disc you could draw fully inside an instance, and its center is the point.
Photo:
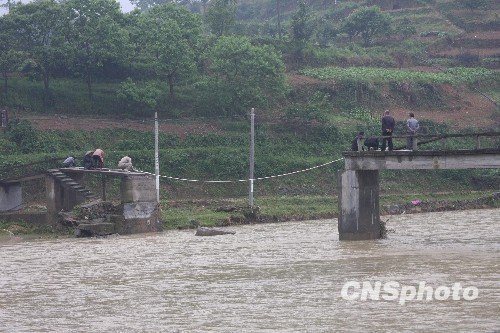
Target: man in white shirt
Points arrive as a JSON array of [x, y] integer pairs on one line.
[[412, 127]]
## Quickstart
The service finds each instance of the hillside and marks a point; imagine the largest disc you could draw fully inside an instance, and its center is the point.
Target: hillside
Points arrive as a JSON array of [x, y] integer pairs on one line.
[[437, 59]]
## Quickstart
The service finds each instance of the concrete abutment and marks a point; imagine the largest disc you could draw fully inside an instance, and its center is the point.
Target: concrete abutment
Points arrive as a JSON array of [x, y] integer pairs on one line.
[[139, 212], [11, 197], [359, 215]]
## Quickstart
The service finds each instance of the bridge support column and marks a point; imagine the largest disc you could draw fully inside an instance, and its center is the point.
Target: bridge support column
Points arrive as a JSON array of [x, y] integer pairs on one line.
[[54, 195], [11, 197], [140, 209], [359, 215]]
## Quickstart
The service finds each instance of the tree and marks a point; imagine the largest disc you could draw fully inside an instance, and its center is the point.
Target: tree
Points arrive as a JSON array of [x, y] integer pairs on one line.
[[145, 5], [278, 11], [367, 22], [38, 30], [245, 75], [170, 38], [473, 4], [10, 57], [94, 35], [9, 4], [301, 29], [221, 16]]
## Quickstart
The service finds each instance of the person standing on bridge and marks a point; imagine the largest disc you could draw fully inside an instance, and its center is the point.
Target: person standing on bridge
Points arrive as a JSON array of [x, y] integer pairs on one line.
[[388, 124], [412, 127], [98, 158]]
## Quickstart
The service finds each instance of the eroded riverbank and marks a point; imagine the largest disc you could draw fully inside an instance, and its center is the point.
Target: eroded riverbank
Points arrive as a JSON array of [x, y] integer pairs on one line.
[[222, 213]]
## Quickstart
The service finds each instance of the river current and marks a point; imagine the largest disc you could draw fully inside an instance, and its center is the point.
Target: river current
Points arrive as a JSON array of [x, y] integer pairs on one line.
[[283, 277]]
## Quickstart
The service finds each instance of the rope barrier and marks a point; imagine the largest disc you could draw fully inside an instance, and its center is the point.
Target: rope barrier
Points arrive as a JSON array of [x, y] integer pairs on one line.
[[246, 180]]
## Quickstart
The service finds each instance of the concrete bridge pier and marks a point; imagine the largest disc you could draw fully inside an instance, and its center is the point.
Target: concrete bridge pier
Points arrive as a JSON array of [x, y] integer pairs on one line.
[[11, 197], [359, 215], [140, 209]]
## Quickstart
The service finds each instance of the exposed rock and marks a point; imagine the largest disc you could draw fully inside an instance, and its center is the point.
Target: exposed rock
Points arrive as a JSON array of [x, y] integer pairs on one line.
[[204, 231], [139, 210], [226, 209], [101, 218], [96, 228]]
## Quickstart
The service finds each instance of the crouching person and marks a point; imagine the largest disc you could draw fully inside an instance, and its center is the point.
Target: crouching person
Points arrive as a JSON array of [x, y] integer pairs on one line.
[[126, 164], [69, 162], [88, 163], [356, 141], [371, 143], [98, 158]]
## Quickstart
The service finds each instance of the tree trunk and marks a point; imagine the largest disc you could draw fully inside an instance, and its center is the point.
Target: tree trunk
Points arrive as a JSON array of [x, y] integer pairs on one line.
[[46, 95], [171, 86], [89, 84], [278, 9], [5, 84]]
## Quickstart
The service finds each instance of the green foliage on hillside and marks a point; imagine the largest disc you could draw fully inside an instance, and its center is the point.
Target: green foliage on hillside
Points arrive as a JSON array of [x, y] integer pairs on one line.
[[82, 57], [384, 75]]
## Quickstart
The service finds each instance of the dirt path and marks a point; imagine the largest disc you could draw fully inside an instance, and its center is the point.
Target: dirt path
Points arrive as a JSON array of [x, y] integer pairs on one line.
[[66, 122]]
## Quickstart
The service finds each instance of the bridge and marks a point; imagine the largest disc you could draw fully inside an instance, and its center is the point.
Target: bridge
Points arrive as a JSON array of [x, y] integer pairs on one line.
[[139, 211], [359, 215]]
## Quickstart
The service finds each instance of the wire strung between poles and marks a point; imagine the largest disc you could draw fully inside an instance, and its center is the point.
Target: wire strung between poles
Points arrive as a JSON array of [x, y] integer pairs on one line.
[[246, 180]]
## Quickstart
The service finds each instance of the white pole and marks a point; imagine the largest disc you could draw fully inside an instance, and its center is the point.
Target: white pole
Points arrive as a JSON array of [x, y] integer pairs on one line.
[[252, 152], [157, 160]]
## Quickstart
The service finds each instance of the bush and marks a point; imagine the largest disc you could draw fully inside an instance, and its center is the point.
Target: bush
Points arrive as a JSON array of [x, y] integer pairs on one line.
[[7, 147], [24, 135], [139, 99], [468, 59]]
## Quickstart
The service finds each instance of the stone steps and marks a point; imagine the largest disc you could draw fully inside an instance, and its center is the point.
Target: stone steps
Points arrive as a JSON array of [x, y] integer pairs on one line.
[[70, 183]]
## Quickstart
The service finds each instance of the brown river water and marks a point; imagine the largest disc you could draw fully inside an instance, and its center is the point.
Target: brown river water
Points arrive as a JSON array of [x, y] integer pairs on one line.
[[284, 277]]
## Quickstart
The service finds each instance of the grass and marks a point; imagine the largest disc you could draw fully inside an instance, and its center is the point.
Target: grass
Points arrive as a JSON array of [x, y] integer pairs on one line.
[[179, 215], [456, 76], [10, 229]]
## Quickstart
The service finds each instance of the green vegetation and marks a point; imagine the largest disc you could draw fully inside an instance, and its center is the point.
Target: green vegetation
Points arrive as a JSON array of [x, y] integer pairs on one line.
[[164, 58], [182, 214], [216, 60], [9, 229], [367, 22], [383, 75]]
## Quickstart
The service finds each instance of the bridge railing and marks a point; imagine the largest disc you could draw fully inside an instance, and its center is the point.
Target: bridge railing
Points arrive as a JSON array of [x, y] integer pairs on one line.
[[422, 139]]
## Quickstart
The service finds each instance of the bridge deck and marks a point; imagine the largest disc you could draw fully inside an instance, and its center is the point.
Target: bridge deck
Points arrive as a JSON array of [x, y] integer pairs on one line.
[[104, 171], [422, 159], [77, 170]]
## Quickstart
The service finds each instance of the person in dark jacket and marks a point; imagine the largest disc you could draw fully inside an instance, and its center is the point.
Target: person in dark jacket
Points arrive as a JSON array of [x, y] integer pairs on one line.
[[87, 160], [388, 124], [371, 143], [354, 143]]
